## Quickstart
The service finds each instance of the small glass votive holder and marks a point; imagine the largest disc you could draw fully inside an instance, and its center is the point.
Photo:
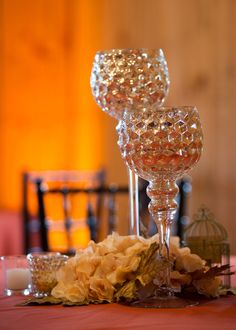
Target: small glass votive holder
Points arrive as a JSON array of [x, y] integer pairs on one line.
[[43, 267], [16, 275]]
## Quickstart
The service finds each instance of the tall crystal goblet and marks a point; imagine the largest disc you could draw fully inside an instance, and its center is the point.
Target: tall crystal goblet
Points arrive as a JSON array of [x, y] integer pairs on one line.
[[161, 145], [129, 79]]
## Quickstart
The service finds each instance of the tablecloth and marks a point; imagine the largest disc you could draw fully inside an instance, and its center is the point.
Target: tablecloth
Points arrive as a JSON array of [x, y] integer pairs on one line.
[[215, 314]]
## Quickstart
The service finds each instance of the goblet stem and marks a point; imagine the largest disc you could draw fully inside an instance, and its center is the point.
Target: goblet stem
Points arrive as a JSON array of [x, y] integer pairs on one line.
[[163, 228], [134, 203], [162, 207], [162, 192], [136, 193]]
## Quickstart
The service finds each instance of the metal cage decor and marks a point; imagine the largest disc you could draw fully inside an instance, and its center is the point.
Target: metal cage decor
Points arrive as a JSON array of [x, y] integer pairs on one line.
[[209, 239]]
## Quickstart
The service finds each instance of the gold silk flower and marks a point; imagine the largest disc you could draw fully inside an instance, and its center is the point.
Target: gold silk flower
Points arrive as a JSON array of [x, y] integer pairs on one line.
[[111, 269], [100, 289], [208, 287]]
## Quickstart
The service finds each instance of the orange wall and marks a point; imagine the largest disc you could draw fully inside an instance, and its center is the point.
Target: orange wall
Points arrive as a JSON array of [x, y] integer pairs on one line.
[[48, 117]]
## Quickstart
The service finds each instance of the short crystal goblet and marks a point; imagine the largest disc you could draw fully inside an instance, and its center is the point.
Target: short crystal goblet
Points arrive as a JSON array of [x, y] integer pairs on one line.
[[161, 145], [129, 79]]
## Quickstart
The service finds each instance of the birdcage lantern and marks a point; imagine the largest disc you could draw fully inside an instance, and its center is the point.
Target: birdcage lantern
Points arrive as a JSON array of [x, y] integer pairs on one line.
[[208, 239]]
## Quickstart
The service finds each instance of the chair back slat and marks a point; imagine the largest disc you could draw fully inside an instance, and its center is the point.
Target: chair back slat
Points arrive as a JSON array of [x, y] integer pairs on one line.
[[42, 217], [92, 222]]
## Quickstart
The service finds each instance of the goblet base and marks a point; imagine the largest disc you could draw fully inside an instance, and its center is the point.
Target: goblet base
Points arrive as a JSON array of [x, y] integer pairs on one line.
[[163, 302]]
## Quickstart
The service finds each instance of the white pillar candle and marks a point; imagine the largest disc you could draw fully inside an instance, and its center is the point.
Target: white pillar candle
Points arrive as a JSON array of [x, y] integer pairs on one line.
[[18, 278]]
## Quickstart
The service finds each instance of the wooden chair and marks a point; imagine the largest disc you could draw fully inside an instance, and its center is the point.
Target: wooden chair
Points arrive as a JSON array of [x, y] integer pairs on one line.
[[182, 217], [33, 182], [99, 205], [86, 191]]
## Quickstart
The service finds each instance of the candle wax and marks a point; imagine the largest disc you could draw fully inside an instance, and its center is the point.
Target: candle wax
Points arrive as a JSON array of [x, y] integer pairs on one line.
[[18, 278]]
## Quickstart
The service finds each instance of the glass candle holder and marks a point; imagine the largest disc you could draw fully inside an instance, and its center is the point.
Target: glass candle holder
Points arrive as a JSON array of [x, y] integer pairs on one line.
[[128, 79], [161, 145], [16, 275], [43, 268]]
